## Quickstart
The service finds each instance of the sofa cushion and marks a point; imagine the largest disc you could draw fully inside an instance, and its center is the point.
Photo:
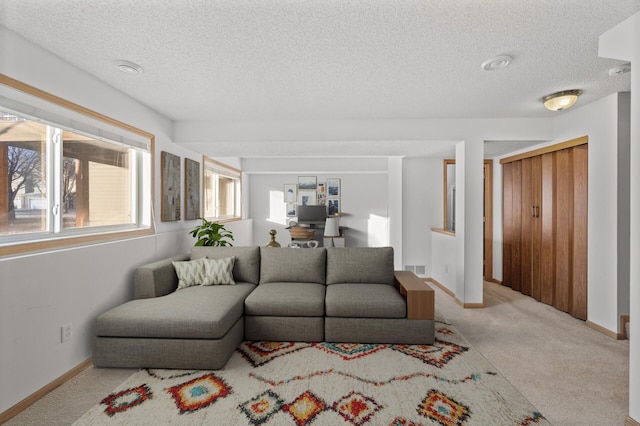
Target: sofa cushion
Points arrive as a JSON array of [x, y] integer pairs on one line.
[[292, 265], [364, 301], [373, 265], [286, 299], [247, 260], [190, 272], [218, 271], [197, 312]]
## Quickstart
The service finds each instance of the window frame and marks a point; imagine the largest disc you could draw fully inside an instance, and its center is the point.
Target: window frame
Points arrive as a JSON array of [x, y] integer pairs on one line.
[[445, 201], [42, 241], [225, 170]]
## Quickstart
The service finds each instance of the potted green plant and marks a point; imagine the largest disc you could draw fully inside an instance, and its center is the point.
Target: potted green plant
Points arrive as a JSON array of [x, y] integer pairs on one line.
[[211, 234]]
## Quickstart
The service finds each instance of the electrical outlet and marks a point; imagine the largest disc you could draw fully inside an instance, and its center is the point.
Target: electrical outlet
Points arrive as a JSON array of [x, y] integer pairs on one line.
[[65, 332]]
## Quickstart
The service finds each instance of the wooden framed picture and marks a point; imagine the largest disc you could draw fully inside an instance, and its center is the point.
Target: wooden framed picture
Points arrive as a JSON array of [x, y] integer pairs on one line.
[[290, 192], [333, 206], [333, 188], [322, 194], [191, 189], [170, 204], [307, 198], [307, 183], [292, 209]]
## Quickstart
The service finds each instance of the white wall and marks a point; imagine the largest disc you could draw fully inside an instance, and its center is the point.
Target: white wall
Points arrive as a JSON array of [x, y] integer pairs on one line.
[[444, 260], [40, 292], [469, 221], [364, 197], [599, 121], [422, 210], [366, 200], [242, 231], [395, 203], [623, 42]]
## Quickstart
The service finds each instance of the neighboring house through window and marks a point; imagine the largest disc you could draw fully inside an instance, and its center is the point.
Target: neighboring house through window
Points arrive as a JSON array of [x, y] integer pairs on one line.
[[65, 173]]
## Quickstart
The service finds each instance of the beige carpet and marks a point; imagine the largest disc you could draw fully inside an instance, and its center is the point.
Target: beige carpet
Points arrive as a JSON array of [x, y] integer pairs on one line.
[[573, 374], [570, 373]]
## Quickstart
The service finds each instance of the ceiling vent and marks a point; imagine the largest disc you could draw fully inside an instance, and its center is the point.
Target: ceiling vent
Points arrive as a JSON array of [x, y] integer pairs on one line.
[[496, 63]]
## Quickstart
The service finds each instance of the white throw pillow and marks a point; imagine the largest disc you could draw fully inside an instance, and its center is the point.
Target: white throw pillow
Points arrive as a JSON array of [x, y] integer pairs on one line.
[[190, 273], [218, 271]]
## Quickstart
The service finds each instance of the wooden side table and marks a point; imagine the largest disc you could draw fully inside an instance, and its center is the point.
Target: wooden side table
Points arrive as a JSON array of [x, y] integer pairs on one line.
[[419, 296]]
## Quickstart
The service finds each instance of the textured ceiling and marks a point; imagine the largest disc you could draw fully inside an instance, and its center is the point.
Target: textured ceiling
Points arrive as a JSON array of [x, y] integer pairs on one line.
[[334, 60]]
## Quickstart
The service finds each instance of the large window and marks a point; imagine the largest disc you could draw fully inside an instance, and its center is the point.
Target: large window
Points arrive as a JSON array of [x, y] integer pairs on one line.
[[64, 174], [222, 191]]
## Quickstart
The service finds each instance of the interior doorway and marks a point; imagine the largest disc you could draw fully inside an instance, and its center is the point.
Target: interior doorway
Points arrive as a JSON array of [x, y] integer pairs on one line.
[[487, 214], [487, 217]]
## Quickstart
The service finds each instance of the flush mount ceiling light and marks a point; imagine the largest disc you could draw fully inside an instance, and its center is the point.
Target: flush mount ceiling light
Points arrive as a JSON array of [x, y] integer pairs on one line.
[[561, 100], [496, 63], [128, 67]]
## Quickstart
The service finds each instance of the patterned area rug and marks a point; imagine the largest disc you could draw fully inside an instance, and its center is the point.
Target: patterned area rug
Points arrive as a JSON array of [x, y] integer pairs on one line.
[[287, 383]]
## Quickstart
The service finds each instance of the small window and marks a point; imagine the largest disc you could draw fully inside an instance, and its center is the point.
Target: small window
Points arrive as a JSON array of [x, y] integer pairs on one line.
[[66, 174], [222, 191]]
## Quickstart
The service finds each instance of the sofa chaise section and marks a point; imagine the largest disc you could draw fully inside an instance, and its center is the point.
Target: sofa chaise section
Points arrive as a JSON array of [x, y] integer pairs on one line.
[[196, 327], [288, 305]]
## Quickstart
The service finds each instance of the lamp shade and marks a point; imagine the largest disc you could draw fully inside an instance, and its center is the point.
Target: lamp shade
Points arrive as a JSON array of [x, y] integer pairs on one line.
[[561, 100], [331, 228]]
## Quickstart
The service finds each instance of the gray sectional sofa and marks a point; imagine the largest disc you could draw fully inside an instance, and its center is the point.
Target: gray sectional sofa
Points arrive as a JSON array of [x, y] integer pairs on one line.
[[280, 294]]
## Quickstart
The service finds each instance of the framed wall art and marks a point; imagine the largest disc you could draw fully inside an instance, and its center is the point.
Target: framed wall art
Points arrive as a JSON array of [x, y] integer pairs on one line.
[[191, 189], [292, 209], [307, 198], [290, 193], [333, 206], [322, 194], [170, 204], [307, 183], [333, 188]]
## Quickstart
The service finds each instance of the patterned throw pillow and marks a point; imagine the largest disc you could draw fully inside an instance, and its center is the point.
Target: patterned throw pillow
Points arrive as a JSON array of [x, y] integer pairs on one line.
[[218, 271], [190, 272]]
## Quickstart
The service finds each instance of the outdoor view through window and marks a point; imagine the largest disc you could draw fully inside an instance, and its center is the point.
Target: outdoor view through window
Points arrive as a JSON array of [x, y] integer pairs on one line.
[[58, 180]]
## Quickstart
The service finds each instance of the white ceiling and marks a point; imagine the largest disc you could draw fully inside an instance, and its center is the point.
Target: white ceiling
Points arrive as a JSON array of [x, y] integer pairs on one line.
[[224, 60]]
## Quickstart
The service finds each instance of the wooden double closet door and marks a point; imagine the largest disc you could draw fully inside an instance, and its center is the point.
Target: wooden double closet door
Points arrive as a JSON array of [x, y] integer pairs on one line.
[[545, 225]]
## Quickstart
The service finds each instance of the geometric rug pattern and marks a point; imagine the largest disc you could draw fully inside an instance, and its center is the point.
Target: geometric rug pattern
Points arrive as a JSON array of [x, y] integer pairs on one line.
[[297, 383]]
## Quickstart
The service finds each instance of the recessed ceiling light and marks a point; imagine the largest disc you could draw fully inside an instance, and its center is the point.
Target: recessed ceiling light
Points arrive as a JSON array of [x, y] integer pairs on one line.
[[622, 69], [128, 67], [561, 100], [496, 63]]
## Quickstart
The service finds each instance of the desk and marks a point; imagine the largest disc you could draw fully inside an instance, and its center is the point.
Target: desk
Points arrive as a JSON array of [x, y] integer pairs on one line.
[[326, 241], [337, 241], [312, 225]]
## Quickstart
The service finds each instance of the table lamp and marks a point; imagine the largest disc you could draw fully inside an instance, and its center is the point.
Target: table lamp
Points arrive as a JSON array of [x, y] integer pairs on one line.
[[331, 229]]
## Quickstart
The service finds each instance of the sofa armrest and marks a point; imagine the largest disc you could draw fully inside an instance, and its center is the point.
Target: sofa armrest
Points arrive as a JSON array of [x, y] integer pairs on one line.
[[419, 296], [156, 279]]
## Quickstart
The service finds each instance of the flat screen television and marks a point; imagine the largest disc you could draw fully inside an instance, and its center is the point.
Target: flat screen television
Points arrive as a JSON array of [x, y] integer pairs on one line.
[[312, 213]]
